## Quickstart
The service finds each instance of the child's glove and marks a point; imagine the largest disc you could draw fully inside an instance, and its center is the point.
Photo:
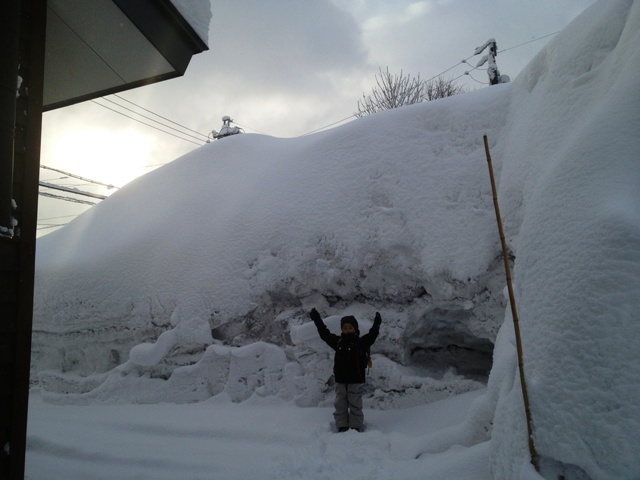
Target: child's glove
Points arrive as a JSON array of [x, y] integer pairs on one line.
[[378, 320], [315, 316]]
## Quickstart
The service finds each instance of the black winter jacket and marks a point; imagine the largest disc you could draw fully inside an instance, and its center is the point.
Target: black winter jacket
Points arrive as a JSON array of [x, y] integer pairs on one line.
[[350, 361]]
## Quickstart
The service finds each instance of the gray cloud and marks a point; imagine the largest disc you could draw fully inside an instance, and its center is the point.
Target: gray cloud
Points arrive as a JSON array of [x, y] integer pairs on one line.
[[283, 45]]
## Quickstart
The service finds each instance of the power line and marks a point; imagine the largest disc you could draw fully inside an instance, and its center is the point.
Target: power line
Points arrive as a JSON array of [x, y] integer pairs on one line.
[[53, 225], [144, 123], [44, 226], [41, 221], [72, 190], [74, 184], [157, 115], [84, 179], [327, 126], [471, 77], [68, 199], [56, 218], [530, 41], [151, 119], [466, 60]]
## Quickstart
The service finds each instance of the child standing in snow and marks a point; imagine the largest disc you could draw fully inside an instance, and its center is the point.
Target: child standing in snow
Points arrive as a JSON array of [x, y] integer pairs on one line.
[[349, 367]]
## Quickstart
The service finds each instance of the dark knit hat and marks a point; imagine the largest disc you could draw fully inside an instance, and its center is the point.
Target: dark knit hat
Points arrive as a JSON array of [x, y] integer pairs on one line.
[[349, 319]]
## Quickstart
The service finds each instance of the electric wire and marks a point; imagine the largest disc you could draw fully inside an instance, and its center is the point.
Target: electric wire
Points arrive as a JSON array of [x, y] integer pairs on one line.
[[46, 226], [475, 80], [84, 179], [68, 199], [144, 123], [153, 120], [72, 190], [73, 184], [529, 41], [330, 125], [160, 116], [57, 218]]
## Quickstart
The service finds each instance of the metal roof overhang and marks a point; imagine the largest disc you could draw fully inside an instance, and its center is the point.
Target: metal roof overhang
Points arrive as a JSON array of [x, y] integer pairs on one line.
[[92, 48], [99, 47]]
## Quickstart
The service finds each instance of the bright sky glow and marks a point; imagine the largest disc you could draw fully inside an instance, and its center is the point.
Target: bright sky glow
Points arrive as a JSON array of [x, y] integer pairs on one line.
[[114, 156]]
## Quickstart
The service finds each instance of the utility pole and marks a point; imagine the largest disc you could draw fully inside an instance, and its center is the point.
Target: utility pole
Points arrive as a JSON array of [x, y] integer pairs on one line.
[[490, 58]]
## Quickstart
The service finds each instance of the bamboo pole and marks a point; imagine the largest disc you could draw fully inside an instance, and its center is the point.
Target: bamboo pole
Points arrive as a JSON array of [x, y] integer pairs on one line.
[[512, 301]]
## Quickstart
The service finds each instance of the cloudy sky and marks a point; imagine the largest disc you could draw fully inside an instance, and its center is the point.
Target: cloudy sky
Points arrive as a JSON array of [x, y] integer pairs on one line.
[[287, 68]]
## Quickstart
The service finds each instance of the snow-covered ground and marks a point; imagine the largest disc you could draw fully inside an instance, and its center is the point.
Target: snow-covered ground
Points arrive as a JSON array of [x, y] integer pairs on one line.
[[218, 439], [171, 325]]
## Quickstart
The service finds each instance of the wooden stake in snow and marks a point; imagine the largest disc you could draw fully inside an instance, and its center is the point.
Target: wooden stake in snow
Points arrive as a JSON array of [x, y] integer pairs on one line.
[[512, 301]]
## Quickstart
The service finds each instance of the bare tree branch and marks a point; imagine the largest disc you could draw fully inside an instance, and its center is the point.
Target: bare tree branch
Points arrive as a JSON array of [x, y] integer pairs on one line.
[[441, 87], [393, 91]]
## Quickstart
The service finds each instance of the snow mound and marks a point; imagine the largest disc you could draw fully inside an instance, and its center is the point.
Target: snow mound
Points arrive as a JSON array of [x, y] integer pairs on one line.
[[236, 241]]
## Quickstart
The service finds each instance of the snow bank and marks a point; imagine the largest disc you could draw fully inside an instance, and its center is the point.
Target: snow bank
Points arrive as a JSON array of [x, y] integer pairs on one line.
[[578, 249], [240, 238]]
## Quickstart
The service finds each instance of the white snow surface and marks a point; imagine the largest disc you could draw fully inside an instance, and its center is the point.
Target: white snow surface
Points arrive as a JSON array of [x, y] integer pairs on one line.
[[391, 213]]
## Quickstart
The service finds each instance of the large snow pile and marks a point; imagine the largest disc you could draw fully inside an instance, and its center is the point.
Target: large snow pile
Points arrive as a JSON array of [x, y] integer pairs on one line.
[[245, 235], [196, 280]]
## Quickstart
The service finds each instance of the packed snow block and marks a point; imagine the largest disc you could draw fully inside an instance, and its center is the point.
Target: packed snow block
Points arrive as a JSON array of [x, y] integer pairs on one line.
[[84, 335], [201, 380], [86, 349], [256, 369], [149, 354], [55, 382], [238, 372], [307, 390], [314, 377]]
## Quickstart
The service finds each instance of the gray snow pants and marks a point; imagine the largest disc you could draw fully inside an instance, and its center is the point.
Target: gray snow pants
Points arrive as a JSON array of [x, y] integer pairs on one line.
[[348, 405]]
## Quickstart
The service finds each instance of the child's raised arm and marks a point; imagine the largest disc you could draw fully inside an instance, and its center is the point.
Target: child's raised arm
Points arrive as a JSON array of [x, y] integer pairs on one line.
[[329, 338], [377, 321], [370, 337]]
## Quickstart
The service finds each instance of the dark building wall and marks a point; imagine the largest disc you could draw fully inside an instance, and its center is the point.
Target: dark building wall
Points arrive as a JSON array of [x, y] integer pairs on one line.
[[17, 250]]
